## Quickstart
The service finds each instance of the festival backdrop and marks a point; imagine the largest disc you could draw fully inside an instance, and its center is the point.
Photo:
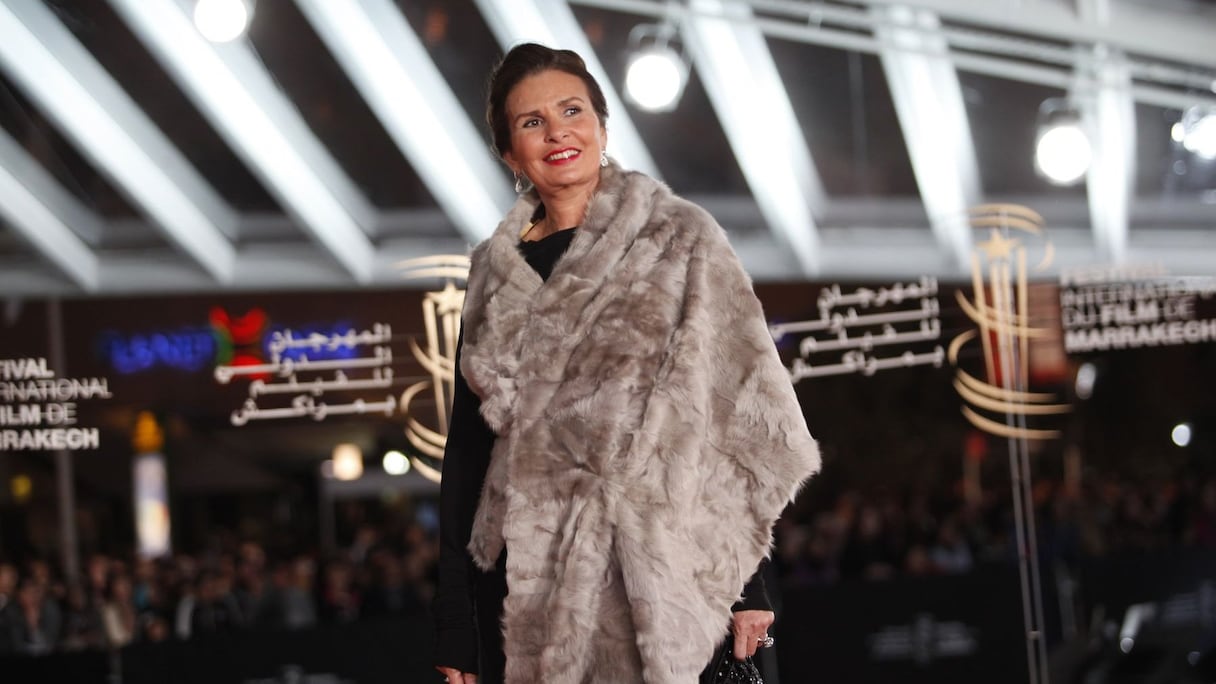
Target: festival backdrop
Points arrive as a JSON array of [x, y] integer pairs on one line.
[[889, 373]]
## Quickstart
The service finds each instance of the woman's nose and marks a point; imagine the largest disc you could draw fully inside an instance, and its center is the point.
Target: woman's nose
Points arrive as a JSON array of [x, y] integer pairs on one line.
[[556, 131]]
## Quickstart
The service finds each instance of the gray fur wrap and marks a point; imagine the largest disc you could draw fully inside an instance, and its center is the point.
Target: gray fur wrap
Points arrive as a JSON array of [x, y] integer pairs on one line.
[[648, 437]]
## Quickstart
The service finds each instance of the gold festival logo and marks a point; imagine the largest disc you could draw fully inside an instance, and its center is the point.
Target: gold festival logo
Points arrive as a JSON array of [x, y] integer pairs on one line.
[[441, 316], [1001, 312]]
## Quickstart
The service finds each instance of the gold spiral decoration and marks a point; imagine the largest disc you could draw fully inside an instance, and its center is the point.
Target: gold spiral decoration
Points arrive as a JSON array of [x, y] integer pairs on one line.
[[1000, 311], [441, 317]]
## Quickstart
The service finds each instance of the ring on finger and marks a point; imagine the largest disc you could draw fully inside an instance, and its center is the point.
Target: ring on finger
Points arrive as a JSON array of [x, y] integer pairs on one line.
[[765, 641]]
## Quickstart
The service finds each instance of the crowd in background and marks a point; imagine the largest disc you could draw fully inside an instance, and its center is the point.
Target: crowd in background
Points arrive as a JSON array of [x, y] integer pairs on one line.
[[384, 571], [878, 536], [118, 601]]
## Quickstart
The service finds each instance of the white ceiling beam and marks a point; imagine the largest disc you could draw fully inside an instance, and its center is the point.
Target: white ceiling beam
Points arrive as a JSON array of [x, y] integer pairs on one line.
[[735, 65], [853, 253], [765, 259], [390, 66], [552, 23], [1093, 11], [47, 62], [929, 104], [240, 99], [989, 52], [37, 207], [1142, 28], [1110, 115], [258, 268]]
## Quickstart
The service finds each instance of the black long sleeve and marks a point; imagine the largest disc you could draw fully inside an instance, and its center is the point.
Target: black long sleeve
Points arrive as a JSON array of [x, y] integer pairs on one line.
[[755, 592], [465, 460]]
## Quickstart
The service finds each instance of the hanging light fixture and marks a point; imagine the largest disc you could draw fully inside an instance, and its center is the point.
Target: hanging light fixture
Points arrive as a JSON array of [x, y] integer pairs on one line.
[[221, 21], [1197, 131], [1062, 152], [656, 73]]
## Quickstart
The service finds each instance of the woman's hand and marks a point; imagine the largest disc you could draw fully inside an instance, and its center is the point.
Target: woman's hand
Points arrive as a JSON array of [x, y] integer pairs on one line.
[[750, 628], [455, 676]]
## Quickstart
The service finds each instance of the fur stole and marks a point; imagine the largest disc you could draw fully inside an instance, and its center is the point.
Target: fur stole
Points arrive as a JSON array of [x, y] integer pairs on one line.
[[648, 437]]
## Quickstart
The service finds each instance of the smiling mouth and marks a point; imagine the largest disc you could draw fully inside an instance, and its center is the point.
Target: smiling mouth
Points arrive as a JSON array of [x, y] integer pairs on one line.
[[562, 155]]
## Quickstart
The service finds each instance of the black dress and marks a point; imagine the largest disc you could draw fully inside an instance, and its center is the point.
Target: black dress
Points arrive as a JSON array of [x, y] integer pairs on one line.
[[468, 603]]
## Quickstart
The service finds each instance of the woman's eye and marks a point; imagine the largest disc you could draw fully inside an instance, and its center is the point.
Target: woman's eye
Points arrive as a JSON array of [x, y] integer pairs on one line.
[[571, 111], [531, 123]]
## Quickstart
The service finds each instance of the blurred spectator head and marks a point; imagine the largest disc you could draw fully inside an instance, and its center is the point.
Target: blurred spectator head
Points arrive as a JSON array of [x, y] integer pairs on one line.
[[917, 562], [145, 569], [8, 579], [252, 555], [338, 574], [155, 628], [120, 590], [39, 571], [30, 594], [869, 522], [303, 572]]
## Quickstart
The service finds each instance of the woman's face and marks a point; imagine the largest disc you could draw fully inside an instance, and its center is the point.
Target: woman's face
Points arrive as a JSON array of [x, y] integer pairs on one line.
[[556, 137]]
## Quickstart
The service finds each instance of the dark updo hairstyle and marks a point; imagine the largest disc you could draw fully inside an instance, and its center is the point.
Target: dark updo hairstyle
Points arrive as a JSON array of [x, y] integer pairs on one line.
[[522, 61]]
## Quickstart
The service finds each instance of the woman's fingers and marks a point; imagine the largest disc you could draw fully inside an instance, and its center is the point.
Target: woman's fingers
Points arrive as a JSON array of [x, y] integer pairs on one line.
[[453, 676], [750, 628], [743, 648]]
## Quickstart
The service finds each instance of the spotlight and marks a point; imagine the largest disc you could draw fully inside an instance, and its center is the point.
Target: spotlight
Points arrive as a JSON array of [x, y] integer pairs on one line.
[[1181, 434], [395, 463], [1062, 154], [656, 74], [655, 78], [222, 20], [348, 462], [1197, 131]]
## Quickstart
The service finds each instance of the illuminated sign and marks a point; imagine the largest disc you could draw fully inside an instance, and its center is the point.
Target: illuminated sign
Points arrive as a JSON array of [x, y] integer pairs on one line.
[[857, 331], [302, 367], [1133, 307], [43, 417], [236, 340], [309, 390], [187, 349]]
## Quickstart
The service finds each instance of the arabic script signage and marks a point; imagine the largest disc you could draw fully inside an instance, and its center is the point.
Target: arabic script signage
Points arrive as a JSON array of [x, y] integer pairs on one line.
[[864, 331]]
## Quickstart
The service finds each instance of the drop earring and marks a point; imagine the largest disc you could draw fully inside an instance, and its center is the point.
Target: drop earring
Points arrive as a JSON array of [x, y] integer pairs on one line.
[[603, 158], [519, 183]]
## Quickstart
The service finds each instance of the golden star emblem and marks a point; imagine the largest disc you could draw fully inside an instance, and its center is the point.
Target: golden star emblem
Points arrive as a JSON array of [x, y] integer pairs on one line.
[[998, 246], [448, 300]]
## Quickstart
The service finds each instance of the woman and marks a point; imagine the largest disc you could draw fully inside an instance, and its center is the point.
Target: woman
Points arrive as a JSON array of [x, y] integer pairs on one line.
[[623, 432]]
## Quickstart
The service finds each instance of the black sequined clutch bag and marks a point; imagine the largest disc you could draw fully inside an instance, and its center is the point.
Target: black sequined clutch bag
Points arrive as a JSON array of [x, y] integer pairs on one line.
[[727, 670]]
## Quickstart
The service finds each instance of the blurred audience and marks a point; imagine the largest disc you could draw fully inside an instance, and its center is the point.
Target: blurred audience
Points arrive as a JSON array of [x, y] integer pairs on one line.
[[116, 602], [880, 535], [388, 571]]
